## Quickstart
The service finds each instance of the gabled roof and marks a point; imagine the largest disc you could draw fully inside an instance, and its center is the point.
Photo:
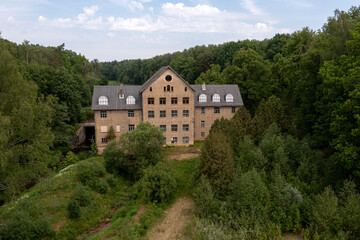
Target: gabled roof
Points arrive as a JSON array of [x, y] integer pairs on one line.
[[158, 74], [222, 90], [115, 103]]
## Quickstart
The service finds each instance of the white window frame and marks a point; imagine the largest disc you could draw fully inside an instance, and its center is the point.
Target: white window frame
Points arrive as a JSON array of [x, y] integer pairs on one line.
[[103, 100], [202, 98], [216, 98], [103, 129], [229, 97], [130, 100]]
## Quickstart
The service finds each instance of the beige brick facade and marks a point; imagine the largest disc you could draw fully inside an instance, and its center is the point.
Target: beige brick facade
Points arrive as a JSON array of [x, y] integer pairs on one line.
[[167, 101]]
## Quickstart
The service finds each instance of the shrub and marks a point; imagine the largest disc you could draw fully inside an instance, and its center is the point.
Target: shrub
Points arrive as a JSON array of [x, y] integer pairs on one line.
[[216, 162], [88, 172], [101, 186], [111, 180], [204, 197], [81, 195], [21, 225], [135, 151], [73, 208], [158, 183]]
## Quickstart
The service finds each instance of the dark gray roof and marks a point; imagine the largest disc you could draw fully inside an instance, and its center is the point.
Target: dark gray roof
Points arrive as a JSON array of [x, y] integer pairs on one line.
[[112, 93], [157, 75], [222, 90]]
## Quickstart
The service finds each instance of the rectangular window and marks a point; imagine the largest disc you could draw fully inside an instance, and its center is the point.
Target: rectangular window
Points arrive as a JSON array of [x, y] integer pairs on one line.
[[103, 129], [151, 114], [150, 100], [162, 100], [173, 113], [117, 128], [131, 113], [163, 127], [174, 128], [185, 100], [216, 110], [202, 134], [162, 113], [104, 140], [185, 127], [174, 100], [103, 114], [185, 140], [185, 113], [174, 140], [202, 110], [233, 109], [202, 123], [131, 127]]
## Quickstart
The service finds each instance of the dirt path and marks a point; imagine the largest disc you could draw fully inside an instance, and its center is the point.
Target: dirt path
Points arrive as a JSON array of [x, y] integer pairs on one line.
[[174, 225], [181, 155]]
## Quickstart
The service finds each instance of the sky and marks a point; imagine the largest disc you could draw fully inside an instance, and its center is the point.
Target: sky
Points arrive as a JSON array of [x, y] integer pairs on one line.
[[110, 30]]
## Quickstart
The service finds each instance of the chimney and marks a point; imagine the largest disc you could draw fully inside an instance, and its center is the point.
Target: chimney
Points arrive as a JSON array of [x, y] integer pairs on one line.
[[121, 95], [203, 86]]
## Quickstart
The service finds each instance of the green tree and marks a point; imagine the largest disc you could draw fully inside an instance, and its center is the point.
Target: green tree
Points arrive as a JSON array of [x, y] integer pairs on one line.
[[135, 151], [216, 162]]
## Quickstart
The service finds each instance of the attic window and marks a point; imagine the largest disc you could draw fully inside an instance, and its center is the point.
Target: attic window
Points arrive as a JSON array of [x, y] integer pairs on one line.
[[130, 100], [168, 78], [216, 98], [103, 100], [202, 98], [185, 89], [229, 98], [150, 89]]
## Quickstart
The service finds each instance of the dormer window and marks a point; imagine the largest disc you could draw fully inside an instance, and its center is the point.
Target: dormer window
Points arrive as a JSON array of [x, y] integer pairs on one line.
[[216, 98], [103, 100], [229, 98], [202, 98], [130, 100]]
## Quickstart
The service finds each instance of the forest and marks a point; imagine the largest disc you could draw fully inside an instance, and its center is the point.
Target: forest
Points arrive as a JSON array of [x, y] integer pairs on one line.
[[288, 161]]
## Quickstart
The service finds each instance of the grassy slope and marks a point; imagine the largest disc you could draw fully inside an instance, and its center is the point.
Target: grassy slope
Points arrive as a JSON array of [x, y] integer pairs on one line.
[[51, 196]]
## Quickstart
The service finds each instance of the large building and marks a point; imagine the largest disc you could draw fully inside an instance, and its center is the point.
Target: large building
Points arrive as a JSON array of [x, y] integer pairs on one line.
[[184, 112]]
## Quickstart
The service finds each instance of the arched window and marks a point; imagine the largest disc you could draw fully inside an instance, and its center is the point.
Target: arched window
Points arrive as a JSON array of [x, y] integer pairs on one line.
[[216, 98], [168, 88], [229, 98], [103, 100], [202, 98], [130, 100]]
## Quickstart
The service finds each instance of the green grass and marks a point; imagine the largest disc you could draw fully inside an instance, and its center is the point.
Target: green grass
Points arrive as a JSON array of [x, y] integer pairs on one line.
[[50, 198], [113, 83]]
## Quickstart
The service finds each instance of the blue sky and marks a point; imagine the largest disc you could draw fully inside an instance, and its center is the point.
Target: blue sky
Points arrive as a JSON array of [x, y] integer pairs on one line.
[[127, 29]]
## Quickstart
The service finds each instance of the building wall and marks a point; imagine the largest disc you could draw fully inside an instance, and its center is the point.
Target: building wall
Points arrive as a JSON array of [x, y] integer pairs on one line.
[[156, 90], [209, 117], [114, 118]]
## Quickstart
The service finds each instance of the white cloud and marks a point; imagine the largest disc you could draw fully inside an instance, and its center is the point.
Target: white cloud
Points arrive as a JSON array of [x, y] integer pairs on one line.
[[11, 19], [295, 3], [251, 7], [110, 34], [133, 5], [173, 18], [42, 19]]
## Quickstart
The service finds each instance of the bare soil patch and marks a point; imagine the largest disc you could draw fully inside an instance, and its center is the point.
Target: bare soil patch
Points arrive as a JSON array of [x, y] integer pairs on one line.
[[293, 237], [174, 224], [104, 224], [181, 154]]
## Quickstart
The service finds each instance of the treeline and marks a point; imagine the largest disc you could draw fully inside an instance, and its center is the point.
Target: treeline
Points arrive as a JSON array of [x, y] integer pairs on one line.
[[43, 91], [313, 73]]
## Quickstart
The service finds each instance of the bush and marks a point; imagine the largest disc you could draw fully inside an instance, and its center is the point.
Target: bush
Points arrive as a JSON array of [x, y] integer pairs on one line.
[[88, 172], [81, 195], [158, 183], [101, 186], [73, 208], [204, 197], [216, 162], [111, 180], [135, 151], [21, 225]]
